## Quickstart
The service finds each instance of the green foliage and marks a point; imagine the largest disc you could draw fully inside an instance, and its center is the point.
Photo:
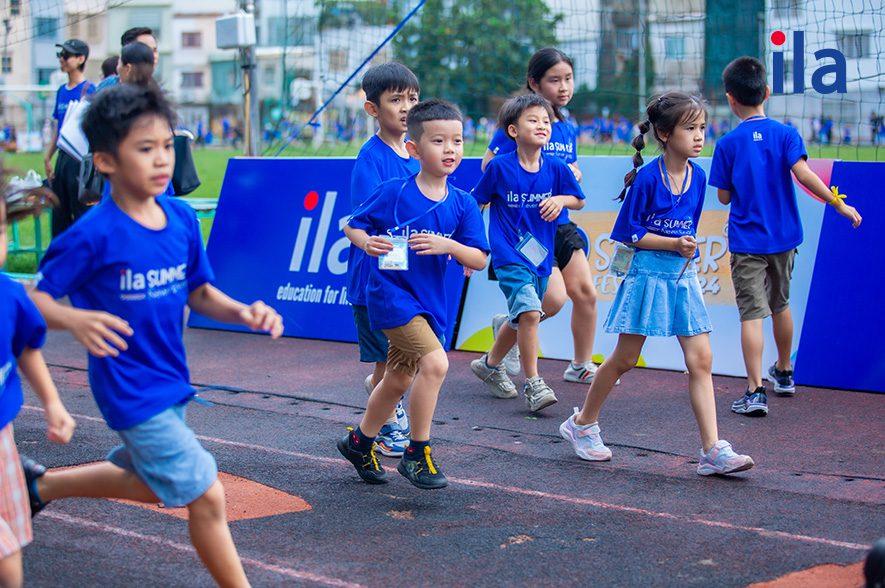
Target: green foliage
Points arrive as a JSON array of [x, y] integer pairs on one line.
[[473, 51]]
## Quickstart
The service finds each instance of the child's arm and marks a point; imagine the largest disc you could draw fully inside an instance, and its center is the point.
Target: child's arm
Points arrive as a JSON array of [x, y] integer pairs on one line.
[[430, 244], [374, 245], [810, 180], [99, 332], [550, 208], [577, 171], [684, 246], [489, 155], [59, 424], [724, 196], [215, 304]]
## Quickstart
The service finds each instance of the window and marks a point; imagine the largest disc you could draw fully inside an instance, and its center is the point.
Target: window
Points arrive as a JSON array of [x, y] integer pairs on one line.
[[74, 25], [15, 7], [6, 64], [855, 44], [44, 76], [674, 48], [269, 75], [192, 40], [192, 79], [92, 28], [46, 27]]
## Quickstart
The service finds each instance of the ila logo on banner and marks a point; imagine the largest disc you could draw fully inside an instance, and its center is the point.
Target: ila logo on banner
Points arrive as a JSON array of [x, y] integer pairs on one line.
[[778, 67], [334, 263]]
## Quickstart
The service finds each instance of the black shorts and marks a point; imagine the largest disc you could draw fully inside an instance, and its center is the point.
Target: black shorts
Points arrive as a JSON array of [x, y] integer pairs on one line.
[[568, 240]]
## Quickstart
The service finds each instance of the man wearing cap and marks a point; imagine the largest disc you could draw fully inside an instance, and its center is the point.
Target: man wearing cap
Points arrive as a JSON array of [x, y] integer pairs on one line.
[[140, 35], [72, 57]]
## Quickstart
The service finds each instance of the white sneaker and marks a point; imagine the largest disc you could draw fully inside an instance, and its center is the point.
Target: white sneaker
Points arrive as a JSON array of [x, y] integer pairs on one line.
[[722, 459], [370, 387], [538, 395], [585, 439], [582, 374], [496, 378], [511, 360]]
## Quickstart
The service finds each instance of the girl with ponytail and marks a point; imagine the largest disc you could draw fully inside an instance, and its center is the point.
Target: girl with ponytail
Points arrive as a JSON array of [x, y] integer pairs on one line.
[[660, 295], [550, 74]]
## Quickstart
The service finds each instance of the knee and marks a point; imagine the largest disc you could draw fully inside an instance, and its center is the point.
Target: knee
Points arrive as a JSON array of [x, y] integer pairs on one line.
[[553, 302], [623, 363], [699, 361], [529, 319], [583, 293], [210, 505], [435, 365]]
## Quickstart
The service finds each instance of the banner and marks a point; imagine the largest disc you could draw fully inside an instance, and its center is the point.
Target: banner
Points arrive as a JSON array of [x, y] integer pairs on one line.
[[278, 237]]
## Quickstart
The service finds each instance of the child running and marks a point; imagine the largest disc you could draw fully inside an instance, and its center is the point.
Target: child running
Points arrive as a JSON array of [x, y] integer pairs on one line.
[[551, 75], [409, 228], [527, 190], [22, 333], [660, 295], [129, 267], [391, 91]]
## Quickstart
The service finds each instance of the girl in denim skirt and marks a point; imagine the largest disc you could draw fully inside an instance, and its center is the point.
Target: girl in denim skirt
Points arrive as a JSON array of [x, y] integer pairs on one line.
[[660, 295]]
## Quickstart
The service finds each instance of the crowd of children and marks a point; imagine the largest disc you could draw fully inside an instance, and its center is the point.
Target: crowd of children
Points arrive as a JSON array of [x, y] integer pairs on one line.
[[132, 264]]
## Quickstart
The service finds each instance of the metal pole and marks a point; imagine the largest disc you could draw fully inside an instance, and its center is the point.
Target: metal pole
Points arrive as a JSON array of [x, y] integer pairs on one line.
[[251, 114], [643, 23]]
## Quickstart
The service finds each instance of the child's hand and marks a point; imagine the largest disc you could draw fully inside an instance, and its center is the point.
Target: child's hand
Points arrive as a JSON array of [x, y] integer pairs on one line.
[[577, 171], [99, 332], [686, 246], [59, 424], [850, 213], [261, 317], [429, 244], [377, 246], [550, 208], [467, 272]]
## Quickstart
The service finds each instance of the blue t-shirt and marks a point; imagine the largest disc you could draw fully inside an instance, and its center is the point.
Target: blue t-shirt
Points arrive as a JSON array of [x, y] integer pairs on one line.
[[515, 195], [376, 163], [108, 82], [21, 327], [64, 95], [109, 262], [753, 162], [651, 207], [399, 208], [563, 144]]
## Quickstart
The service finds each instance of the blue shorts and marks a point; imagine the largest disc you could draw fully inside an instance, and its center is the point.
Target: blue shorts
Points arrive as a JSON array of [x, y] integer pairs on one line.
[[165, 453], [523, 289], [373, 344]]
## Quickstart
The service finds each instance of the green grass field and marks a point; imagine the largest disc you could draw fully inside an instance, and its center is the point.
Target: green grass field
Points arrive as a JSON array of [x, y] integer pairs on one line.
[[211, 165]]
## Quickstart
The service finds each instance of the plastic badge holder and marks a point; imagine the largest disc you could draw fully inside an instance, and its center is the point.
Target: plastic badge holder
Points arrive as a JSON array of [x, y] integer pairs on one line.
[[532, 249], [621, 260], [398, 257]]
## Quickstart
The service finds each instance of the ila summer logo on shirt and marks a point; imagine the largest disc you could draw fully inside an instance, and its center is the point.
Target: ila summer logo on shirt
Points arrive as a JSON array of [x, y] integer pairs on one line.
[[526, 198], [153, 283]]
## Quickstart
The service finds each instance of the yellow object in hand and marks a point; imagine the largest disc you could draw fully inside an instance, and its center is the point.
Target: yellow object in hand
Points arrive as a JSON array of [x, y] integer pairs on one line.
[[837, 200]]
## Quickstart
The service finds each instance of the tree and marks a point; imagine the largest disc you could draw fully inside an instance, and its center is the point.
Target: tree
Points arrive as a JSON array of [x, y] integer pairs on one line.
[[470, 51]]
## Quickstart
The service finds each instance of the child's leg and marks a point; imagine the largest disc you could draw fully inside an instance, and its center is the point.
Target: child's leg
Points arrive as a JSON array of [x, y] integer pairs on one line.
[[99, 480], [621, 361], [527, 339], [378, 374], [210, 535], [11, 575], [383, 400], [505, 340], [751, 345], [432, 369], [580, 288], [699, 361], [556, 295], [783, 338]]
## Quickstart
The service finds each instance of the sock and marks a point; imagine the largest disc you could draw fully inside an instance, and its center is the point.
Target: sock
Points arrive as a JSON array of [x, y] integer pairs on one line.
[[359, 441], [576, 366], [486, 361], [415, 450]]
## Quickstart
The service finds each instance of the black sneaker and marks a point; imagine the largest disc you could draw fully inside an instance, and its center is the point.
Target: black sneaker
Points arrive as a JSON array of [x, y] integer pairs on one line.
[[423, 473], [753, 403], [33, 471], [367, 465], [782, 381]]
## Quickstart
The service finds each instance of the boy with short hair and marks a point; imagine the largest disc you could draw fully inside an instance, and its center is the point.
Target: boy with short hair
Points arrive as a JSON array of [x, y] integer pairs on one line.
[[391, 91], [409, 228], [751, 168], [527, 191], [22, 333], [130, 267]]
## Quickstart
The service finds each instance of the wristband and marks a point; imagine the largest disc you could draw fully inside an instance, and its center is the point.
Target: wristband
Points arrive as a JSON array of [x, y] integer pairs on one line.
[[837, 200]]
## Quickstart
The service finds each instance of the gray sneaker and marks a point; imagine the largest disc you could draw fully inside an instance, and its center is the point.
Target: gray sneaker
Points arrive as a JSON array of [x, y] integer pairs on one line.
[[511, 360], [538, 395], [496, 378]]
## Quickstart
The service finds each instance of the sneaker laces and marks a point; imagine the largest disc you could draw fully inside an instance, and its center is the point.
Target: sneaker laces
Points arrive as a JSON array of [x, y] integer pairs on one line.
[[430, 465], [370, 460]]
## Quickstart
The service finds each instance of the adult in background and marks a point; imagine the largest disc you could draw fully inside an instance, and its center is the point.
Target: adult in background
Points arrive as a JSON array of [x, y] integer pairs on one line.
[[72, 58], [109, 67], [135, 35]]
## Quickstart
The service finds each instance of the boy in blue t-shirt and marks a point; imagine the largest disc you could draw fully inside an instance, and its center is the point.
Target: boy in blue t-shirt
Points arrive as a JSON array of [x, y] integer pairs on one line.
[[409, 228], [129, 268], [751, 167], [527, 191], [22, 333], [391, 91]]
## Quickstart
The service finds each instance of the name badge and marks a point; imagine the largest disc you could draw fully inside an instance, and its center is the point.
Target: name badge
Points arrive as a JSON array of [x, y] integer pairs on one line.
[[621, 260], [398, 258], [532, 249]]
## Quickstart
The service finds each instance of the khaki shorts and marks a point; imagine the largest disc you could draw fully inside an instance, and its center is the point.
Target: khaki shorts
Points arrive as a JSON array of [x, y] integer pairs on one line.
[[762, 283], [409, 343]]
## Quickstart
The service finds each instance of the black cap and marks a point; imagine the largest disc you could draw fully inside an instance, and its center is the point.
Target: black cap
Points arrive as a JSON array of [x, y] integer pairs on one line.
[[75, 47]]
